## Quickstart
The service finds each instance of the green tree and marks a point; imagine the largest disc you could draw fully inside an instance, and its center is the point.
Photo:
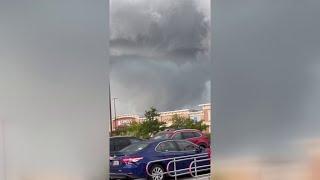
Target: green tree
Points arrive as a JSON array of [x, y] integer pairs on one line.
[[151, 125], [134, 129], [120, 130], [152, 114], [179, 122], [145, 129]]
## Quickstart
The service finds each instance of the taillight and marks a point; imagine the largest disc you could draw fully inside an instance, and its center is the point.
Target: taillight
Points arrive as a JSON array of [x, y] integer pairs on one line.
[[131, 160]]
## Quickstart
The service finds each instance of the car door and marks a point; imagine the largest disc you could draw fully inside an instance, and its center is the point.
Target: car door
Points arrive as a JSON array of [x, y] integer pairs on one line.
[[188, 135], [166, 150], [186, 148]]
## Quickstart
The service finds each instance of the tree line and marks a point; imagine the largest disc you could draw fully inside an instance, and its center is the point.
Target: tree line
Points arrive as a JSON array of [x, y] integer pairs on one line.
[[151, 125]]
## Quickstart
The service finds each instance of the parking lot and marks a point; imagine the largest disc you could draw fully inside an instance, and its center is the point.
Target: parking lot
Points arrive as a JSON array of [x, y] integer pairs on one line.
[[183, 154]]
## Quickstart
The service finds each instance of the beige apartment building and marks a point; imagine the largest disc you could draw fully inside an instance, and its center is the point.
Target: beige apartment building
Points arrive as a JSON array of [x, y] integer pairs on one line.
[[167, 116], [202, 112]]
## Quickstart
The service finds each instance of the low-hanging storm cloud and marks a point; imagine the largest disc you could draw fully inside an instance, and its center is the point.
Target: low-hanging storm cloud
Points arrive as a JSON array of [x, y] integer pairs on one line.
[[159, 54]]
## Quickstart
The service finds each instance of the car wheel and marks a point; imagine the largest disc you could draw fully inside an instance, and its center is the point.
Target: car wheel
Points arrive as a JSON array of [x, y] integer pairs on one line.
[[203, 146], [157, 172]]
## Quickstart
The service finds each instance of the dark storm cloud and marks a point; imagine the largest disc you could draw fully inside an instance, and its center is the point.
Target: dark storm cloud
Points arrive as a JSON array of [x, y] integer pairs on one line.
[[262, 52], [161, 28], [159, 54]]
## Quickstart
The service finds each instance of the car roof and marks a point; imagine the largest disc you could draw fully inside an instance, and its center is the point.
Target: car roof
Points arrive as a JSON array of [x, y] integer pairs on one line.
[[151, 141], [179, 130], [123, 137], [155, 143], [162, 140]]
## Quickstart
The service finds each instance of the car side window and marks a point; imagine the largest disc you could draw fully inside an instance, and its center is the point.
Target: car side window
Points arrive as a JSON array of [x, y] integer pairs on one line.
[[167, 146], [186, 146], [178, 136], [196, 134], [187, 135]]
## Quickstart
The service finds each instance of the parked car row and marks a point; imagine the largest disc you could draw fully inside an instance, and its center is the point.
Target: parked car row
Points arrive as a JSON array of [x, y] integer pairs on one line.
[[192, 135], [129, 155]]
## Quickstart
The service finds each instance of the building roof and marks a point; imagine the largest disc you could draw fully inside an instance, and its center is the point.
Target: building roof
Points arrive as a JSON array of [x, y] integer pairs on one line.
[[206, 104], [176, 111]]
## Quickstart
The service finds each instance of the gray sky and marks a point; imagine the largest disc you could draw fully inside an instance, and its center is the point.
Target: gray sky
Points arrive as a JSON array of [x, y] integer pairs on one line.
[[266, 74], [159, 54], [53, 100]]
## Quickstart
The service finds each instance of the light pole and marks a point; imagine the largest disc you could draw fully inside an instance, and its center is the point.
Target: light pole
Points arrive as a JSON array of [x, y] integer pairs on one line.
[[114, 108], [110, 110]]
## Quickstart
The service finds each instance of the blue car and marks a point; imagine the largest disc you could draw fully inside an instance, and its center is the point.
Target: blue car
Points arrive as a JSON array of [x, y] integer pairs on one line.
[[155, 156]]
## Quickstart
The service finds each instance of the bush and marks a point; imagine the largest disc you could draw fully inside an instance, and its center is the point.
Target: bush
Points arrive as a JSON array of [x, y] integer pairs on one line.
[[179, 122]]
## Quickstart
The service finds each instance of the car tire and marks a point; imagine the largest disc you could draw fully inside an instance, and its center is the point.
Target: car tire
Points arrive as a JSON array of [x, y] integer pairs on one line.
[[203, 145], [157, 169]]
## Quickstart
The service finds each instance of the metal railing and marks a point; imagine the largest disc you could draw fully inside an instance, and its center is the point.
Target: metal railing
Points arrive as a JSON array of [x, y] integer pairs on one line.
[[193, 169], [196, 169]]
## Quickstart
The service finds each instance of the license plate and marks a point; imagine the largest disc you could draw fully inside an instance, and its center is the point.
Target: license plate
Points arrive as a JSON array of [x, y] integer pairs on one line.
[[115, 163]]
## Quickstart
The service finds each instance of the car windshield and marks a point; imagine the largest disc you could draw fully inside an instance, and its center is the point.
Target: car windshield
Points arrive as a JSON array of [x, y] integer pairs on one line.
[[162, 136], [134, 147]]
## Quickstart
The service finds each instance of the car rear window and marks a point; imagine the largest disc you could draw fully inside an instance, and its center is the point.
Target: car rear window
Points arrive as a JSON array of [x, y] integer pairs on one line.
[[112, 145], [187, 135], [162, 136], [118, 143], [178, 136], [134, 147], [135, 140], [196, 134]]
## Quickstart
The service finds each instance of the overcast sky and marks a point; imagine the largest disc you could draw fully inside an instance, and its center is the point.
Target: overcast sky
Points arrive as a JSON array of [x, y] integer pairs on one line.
[[53, 84], [159, 54], [266, 74]]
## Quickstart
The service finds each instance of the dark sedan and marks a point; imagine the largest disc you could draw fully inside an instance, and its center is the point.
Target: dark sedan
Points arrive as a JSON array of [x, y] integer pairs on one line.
[[131, 162]]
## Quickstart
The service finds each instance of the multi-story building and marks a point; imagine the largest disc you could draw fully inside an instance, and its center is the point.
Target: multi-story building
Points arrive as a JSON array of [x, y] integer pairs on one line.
[[124, 120], [167, 116], [203, 112], [206, 114]]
